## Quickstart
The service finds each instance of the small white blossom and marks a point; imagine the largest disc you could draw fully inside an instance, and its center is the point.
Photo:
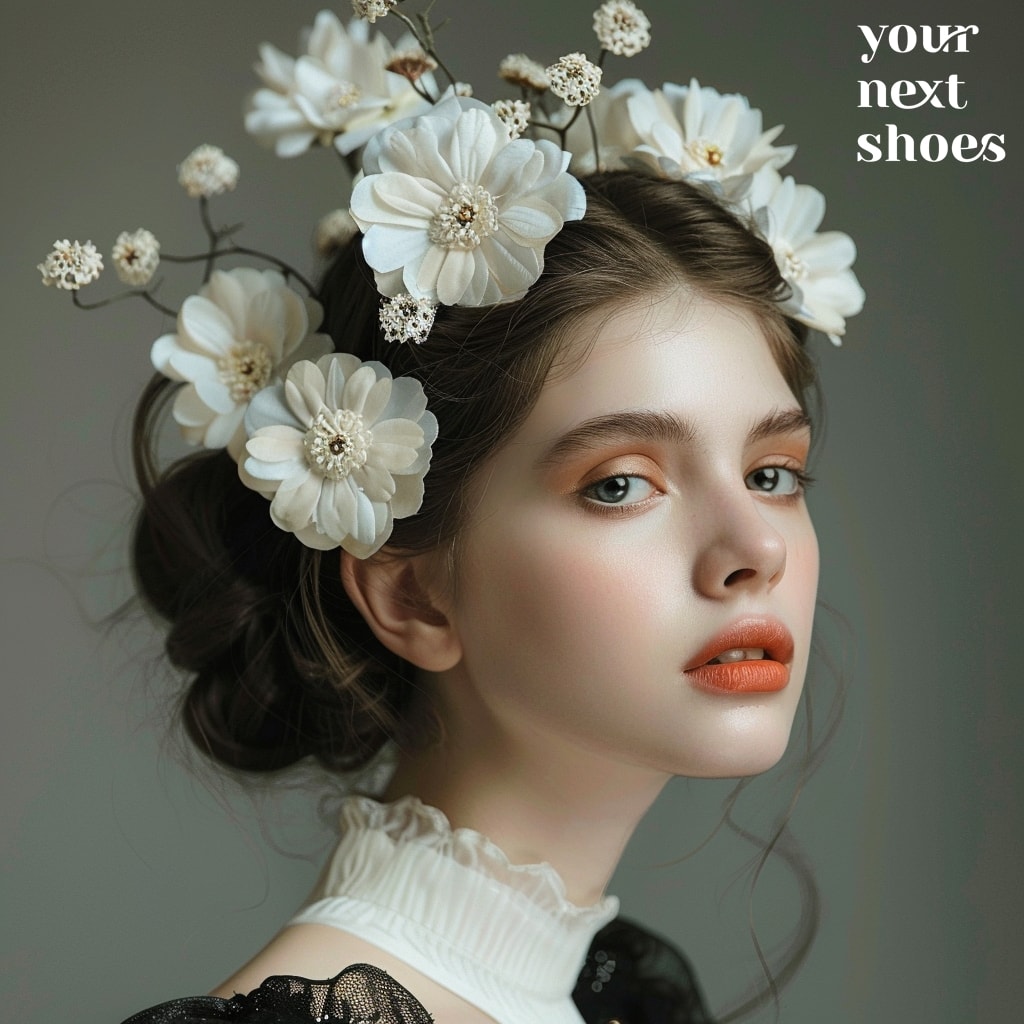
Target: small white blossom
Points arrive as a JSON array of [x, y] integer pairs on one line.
[[622, 28], [136, 255], [371, 10], [405, 319], [463, 88], [575, 79], [335, 229], [514, 114], [520, 70], [454, 211], [71, 264], [207, 172], [341, 448]]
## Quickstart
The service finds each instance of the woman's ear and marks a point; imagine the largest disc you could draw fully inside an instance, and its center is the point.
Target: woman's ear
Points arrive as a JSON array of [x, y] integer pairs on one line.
[[399, 597]]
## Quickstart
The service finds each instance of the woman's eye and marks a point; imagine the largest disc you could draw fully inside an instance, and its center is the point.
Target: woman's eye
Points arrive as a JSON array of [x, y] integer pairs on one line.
[[776, 480], [619, 490]]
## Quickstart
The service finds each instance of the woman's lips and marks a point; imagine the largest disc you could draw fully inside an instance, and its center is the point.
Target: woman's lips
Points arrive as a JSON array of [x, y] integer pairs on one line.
[[741, 670]]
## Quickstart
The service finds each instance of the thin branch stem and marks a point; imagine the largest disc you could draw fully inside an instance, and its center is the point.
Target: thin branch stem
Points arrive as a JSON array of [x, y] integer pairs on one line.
[[289, 270], [424, 35], [120, 297], [593, 138], [562, 131], [211, 233], [243, 250], [421, 91]]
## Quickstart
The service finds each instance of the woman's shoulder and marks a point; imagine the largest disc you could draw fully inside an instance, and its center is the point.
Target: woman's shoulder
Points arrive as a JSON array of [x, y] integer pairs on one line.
[[630, 975]]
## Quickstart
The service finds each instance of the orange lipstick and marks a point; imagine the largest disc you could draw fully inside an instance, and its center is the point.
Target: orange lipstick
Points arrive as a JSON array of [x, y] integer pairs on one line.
[[750, 656]]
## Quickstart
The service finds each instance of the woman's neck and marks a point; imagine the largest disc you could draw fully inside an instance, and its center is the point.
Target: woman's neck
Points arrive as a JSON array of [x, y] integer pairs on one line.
[[536, 797]]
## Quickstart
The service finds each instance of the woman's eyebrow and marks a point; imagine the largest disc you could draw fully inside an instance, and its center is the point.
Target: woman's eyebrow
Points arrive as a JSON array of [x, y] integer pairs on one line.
[[781, 421], [631, 425], [664, 427]]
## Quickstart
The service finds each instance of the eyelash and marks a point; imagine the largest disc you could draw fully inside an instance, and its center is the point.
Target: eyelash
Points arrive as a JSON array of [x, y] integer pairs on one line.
[[612, 507], [802, 479]]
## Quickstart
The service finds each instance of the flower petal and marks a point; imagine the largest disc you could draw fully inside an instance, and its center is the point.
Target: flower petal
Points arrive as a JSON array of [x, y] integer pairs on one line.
[[160, 355], [213, 392], [402, 199], [295, 500], [336, 512], [276, 444], [268, 408], [304, 391], [205, 326], [226, 429], [357, 387], [190, 410]]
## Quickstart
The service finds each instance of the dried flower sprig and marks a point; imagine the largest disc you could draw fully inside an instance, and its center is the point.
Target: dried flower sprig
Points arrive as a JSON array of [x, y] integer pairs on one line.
[[206, 172]]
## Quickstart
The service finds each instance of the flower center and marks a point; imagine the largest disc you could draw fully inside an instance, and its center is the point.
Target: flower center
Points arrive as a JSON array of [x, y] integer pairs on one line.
[[246, 369], [710, 154], [465, 218], [337, 443], [792, 267], [338, 101]]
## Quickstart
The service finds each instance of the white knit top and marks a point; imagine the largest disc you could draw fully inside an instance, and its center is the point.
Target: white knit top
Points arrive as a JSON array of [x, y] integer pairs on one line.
[[502, 936]]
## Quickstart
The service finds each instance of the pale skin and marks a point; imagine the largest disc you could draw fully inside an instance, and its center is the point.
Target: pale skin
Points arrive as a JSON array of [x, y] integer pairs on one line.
[[651, 498]]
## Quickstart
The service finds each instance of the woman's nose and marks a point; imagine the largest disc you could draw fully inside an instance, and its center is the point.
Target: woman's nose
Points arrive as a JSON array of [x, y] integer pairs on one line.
[[742, 550]]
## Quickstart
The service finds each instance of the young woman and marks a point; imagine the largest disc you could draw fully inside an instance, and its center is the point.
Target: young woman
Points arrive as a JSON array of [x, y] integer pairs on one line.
[[564, 465]]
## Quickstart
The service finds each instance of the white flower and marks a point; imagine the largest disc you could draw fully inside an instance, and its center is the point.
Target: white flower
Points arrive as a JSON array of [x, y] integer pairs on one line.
[[622, 28], [574, 79], [338, 92], [207, 172], [342, 449], [694, 132], [454, 211], [71, 264], [521, 70], [335, 230], [136, 256], [463, 88], [514, 114], [404, 318], [816, 266], [371, 10], [234, 338]]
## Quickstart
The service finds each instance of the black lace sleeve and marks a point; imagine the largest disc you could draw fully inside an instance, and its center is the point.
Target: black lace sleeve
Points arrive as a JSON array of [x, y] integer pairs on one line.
[[634, 977], [361, 994]]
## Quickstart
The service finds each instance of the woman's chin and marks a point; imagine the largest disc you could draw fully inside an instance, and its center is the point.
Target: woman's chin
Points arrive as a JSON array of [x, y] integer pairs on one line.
[[751, 750]]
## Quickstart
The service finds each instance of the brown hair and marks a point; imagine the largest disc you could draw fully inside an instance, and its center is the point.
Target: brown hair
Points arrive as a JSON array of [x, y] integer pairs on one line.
[[282, 666]]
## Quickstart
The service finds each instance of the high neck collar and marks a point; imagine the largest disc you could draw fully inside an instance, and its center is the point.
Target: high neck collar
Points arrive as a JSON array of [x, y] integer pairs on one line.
[[448, 902]]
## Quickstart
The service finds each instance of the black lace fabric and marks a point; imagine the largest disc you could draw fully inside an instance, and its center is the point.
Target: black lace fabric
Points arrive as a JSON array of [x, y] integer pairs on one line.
[[361, 994], [630, 977]]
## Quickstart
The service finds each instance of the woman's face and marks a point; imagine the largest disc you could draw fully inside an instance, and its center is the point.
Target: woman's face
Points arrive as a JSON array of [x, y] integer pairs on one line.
[[638, 577]]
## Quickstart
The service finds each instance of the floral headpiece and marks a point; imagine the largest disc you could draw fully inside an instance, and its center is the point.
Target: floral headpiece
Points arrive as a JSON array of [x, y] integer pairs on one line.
[[456, 201]]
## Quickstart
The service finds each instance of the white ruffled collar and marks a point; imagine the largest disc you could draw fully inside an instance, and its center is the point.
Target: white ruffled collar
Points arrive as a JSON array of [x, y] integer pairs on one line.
[[450, 904]]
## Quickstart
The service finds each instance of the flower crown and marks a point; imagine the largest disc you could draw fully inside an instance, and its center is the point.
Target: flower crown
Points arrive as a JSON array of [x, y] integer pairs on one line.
[[456, 201]]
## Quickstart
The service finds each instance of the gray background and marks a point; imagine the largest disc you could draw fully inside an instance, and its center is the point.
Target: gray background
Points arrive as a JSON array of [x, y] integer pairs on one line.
[[128, 880]]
